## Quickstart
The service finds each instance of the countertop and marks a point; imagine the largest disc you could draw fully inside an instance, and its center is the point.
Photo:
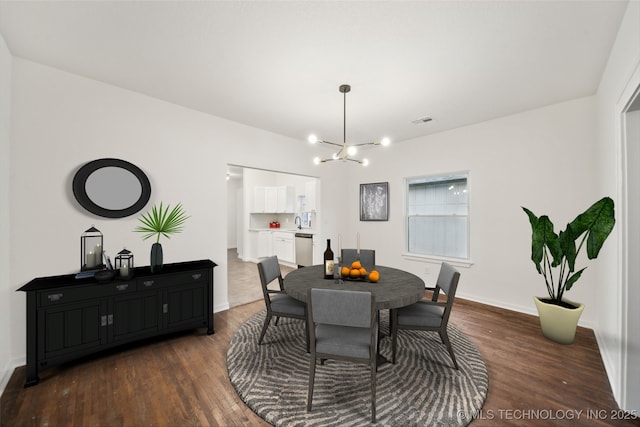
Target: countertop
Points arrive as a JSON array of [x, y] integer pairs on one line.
[[286, 230]]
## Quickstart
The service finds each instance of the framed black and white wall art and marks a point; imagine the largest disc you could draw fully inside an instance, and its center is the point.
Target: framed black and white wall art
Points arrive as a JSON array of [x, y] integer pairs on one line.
[[374, 201]]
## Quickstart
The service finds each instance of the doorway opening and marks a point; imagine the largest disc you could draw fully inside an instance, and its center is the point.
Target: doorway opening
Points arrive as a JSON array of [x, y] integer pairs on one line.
[[630, 121], [249, 233]]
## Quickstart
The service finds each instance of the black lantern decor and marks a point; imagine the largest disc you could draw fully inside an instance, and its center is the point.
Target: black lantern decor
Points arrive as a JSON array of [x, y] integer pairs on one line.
[[124, 264], [91, 250]]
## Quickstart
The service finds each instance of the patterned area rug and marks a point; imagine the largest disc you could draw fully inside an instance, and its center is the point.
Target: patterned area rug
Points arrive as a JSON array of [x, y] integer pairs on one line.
[[421, 389]]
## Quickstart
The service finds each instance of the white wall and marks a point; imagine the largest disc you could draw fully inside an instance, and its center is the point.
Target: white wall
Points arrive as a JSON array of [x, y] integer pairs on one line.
[[631, 332], [616, 83], [234, 186], [6, 292], [542, 159], [60, 121]]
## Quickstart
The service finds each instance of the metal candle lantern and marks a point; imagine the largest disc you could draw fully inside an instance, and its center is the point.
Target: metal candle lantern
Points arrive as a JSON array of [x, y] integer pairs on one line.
[[124, 264], [91, 250]]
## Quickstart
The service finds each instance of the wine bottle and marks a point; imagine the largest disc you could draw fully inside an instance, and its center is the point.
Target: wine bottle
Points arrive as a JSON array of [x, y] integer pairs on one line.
[[328, 261]]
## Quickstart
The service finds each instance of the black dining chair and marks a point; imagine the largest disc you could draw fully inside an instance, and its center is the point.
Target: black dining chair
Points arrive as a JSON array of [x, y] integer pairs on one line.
[[342, 325], [278, 303], [367, 257], [429, 315]]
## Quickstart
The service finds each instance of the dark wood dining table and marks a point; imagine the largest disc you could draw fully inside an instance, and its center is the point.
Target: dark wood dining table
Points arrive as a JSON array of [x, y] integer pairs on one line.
[[396, 288]]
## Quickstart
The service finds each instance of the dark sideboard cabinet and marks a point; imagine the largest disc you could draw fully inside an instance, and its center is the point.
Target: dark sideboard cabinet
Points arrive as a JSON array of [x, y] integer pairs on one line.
[[68, 318]]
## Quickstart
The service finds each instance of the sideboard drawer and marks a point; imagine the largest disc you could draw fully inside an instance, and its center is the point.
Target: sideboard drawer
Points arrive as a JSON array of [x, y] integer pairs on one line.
[[173, 279], [73, 294]]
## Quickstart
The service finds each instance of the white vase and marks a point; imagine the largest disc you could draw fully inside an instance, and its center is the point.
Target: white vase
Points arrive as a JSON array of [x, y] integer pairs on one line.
[[559, 323]]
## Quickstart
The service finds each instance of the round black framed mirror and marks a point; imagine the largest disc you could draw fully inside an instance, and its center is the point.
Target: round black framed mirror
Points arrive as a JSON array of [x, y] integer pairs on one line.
[[111, 188]]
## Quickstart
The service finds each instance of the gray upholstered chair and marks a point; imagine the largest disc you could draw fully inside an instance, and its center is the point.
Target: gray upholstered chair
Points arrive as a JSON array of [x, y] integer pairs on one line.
[[429, 315], [343, 325], [278, 303], [367, 257]]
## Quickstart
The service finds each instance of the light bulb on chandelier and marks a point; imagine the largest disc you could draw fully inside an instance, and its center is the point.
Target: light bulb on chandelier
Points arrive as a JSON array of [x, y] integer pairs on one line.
[[347, 151]]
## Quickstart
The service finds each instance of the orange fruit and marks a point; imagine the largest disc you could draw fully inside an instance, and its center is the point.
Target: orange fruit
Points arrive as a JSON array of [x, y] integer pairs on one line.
[[374, 276], [354, 273], [356, 265], [344, 272], [363, 272]]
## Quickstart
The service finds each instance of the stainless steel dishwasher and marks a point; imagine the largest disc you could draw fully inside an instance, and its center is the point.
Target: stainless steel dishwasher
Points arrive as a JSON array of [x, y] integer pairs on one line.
[[304, 249]]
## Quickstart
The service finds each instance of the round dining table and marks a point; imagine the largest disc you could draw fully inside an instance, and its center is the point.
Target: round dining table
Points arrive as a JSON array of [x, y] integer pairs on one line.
[[395, 288]]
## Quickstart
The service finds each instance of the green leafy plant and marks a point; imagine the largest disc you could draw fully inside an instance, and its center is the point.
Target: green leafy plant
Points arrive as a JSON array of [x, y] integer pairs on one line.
[[162, 222], [555, 254]]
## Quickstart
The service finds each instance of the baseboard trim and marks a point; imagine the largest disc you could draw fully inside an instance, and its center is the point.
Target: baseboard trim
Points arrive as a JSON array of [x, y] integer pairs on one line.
[[8, 371], [513, 307]]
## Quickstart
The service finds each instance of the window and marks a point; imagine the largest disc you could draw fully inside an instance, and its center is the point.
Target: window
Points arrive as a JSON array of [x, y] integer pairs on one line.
[[438, 216]]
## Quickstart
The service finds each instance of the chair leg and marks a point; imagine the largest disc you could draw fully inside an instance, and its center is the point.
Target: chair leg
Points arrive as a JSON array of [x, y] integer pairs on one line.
[[394, 334], [306, 329], [277, 318], [445, 339], [312, 376], [267, 319], [373, 393]]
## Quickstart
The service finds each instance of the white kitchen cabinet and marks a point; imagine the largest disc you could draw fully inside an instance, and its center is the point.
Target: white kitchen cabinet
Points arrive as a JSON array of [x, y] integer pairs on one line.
[[310, 196], [261, 244], [258, 199], [271, 199], [286, 199], [274, 199], [265, 244], [284, 246]]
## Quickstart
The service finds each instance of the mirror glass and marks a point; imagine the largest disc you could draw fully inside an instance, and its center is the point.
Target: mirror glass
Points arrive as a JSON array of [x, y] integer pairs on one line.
[[111, 188]]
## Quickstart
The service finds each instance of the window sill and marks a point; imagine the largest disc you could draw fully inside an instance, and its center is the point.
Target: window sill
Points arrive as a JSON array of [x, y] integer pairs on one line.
[[456, 262]]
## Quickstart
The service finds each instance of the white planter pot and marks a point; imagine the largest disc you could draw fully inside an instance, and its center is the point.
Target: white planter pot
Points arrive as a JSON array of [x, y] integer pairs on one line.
[[559, 323]]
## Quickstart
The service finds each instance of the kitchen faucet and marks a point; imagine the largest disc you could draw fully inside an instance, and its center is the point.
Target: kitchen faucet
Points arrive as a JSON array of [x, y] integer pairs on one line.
[[298, 222]]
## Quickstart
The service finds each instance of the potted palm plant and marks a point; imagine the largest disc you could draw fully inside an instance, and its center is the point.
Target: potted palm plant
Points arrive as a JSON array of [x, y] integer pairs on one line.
[[161, 222], [554, 256]]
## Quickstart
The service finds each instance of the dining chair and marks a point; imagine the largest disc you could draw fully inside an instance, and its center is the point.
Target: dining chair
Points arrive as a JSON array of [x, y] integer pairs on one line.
[[342, 325], [367, 257], [278, 303], [429, 315]]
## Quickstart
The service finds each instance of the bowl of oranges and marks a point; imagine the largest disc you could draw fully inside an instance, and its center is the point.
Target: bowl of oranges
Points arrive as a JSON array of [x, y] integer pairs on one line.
[[357, 272]]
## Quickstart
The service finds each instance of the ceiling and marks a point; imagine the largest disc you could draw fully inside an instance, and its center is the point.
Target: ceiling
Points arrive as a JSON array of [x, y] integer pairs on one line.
[[277, 65]]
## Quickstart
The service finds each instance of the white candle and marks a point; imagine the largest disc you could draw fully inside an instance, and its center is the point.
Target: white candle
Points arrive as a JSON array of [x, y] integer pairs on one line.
[[124, 271], [97, 253], [91, 260], [339, 245], [358, 250]]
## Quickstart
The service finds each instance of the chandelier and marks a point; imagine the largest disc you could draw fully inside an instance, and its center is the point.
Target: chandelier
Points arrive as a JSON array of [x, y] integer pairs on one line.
[[346, 151]]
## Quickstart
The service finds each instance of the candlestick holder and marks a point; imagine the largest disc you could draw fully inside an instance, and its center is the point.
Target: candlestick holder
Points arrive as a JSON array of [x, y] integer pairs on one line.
[[91, 250], [124, 264]]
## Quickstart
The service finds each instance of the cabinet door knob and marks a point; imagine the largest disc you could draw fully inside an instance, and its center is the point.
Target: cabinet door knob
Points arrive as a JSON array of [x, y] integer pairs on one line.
[[196, 276]]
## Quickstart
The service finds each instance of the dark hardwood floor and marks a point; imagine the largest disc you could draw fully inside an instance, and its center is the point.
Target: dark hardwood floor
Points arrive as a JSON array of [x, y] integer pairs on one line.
[[182, 380]]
